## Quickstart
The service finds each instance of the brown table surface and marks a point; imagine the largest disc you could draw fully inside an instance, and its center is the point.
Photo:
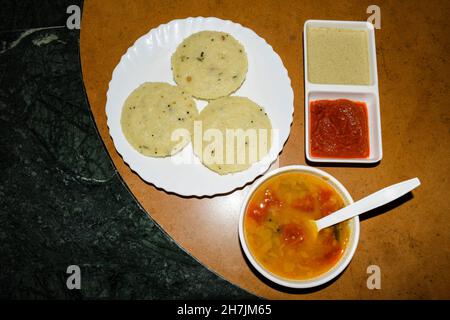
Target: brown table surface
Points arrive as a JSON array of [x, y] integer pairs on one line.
[[410, 242]]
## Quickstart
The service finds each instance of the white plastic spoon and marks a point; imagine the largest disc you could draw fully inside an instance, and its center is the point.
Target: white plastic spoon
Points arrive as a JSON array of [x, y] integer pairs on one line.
[[368, 203]]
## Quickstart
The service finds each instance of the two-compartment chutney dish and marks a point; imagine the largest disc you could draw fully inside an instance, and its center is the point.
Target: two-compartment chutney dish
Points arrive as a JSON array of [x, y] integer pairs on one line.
[[342, 108]]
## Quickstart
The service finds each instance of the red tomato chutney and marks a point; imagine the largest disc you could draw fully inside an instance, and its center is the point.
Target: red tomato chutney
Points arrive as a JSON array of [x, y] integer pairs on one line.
[[278, 229], [339, 129]]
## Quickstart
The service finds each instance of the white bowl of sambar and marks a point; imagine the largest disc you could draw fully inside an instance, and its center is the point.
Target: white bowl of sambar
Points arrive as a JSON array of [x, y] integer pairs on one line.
[[275, 234]]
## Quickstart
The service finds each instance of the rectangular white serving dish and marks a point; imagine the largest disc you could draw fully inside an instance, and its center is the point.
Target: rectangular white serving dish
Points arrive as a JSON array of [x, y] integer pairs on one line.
[[364, 93]]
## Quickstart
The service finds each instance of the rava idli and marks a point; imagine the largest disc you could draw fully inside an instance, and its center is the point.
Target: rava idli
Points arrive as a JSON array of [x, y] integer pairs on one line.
[[235, 133], [209, 65], [151, 115]]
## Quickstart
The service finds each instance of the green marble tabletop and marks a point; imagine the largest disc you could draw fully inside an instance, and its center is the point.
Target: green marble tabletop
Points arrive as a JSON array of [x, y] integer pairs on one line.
[[62, 202]]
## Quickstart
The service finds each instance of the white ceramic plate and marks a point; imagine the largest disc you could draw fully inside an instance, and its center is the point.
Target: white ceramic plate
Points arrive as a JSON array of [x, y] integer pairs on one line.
[[267, 83]]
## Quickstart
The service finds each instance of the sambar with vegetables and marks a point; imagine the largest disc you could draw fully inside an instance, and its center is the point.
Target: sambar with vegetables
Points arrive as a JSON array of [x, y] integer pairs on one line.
[[278, 228]]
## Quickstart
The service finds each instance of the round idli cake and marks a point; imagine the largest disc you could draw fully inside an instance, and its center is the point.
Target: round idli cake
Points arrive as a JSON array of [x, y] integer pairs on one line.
[[236, 132], [158, 119], [209, 65]]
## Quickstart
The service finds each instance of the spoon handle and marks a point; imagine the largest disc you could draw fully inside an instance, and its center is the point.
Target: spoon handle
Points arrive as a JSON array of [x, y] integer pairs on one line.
[[368, 203]]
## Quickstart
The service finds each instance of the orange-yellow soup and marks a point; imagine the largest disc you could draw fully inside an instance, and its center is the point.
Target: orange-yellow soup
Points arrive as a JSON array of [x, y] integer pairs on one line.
[[279, 231]]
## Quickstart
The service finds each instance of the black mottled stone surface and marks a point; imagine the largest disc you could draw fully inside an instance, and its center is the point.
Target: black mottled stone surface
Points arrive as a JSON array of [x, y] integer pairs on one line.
[[26, 14], [61, 200]]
